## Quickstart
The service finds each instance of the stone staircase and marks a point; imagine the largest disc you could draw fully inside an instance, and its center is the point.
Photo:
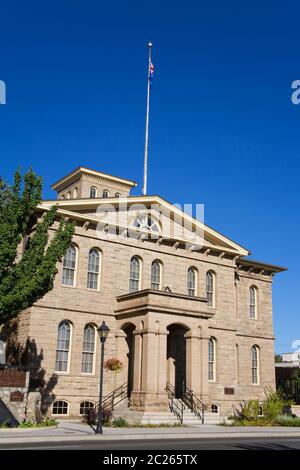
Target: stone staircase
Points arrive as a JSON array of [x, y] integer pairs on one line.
[[167, 417]]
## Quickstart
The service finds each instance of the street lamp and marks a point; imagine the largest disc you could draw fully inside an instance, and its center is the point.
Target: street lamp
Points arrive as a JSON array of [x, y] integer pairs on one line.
[[103, 331]]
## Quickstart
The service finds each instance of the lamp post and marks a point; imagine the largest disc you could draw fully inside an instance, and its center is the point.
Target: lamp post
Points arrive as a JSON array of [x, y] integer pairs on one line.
[[103, 331]]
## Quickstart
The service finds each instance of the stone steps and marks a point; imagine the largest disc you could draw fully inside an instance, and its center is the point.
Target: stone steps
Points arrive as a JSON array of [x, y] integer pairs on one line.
[[167, 417]]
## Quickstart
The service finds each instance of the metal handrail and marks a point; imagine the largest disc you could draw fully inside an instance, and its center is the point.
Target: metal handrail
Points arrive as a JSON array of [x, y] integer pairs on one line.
[[175, 405], [114, 398], [194, 403]]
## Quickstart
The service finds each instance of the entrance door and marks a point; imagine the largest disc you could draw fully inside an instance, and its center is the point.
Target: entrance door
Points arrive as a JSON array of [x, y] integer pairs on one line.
[[176, 358]]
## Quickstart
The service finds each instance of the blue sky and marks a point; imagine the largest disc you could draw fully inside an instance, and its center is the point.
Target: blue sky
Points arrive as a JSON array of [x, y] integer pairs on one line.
[[223, 129]]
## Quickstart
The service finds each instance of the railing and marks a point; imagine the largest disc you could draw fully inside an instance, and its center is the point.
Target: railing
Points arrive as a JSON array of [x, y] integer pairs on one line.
[[113, 398], [175, 405], [194, 403]]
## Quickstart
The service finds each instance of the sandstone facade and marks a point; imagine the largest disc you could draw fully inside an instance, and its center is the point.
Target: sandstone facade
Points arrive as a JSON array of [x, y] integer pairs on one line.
[[160, 335]]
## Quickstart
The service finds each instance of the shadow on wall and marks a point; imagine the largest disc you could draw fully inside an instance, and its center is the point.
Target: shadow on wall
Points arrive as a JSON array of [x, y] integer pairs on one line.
[[28, 355]]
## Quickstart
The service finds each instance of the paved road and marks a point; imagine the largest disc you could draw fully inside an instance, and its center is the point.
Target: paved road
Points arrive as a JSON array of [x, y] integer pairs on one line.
[[225, 443]]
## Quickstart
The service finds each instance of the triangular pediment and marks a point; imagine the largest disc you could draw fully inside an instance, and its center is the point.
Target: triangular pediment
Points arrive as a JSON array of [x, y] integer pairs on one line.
[[171, 223]]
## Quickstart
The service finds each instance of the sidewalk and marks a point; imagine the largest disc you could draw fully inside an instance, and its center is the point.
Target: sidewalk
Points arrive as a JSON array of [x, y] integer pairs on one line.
[[74, 431]]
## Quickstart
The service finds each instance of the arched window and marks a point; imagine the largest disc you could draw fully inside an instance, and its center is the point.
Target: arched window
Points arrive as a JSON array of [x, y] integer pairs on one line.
[[69, 267], [63, 347], [85, 407], [135, 268], [105, 193], [88, 350], [214, 408], [75, 192], [191, 281], [156, 275], [69, 195], [146, 222], [253, 302], [60, 407], [93, 269], [118, 195], [63, 196], [211, 359], [255, 365], [93, 192], [210, 288]]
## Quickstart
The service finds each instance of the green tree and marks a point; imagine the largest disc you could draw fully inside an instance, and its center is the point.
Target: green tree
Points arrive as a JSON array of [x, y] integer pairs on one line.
[[27, 277], [278, 358]]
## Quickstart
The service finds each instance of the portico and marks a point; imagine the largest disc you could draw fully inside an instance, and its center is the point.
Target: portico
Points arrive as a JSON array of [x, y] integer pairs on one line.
[[162, 338]]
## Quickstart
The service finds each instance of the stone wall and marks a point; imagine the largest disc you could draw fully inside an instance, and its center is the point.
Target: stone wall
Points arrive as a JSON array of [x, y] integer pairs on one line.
[[14, 382]]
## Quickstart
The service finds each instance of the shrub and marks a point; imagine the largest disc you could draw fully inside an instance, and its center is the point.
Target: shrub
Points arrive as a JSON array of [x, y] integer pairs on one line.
[[287, 420], [274, 404], [91, 416], [33, 424], [120, 423]]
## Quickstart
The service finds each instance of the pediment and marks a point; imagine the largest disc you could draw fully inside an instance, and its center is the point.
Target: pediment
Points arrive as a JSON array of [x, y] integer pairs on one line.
[[171, 223]]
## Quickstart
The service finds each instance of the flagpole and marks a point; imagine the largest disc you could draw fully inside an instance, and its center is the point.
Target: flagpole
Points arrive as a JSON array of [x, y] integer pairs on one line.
[[147, 123]]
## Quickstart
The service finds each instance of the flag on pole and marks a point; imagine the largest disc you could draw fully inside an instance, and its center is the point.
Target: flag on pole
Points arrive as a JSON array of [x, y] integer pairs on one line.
[[151, 72]]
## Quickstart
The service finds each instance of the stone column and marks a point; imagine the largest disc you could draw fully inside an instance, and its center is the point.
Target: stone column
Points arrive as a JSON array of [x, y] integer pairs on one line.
[[193, 361], [152, 395], [121, 353], [204, 363]]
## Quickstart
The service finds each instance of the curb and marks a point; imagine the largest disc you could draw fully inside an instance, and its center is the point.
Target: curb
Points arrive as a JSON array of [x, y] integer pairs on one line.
[[141, 437], [37, 428]]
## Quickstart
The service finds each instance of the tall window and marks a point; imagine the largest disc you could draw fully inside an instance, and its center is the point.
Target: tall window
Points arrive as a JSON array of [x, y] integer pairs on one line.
[[69, 195], [210, 289], [63, 347], [253, 302], [135, 268], [93, 192], [93, 269], [88, 349], [75, 192], [105, 193], [191, 281], [255, 364], [155, 275], [69, 267], [211, 359]]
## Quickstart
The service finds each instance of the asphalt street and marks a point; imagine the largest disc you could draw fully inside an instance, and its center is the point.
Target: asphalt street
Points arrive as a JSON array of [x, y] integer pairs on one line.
[[225, 443]]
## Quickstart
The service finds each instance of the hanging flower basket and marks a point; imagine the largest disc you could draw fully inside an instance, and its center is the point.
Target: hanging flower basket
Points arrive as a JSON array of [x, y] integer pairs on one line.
[[113, 364]]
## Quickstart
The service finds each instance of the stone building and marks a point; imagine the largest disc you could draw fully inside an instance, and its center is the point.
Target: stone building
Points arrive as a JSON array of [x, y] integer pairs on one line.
[[190, 316]]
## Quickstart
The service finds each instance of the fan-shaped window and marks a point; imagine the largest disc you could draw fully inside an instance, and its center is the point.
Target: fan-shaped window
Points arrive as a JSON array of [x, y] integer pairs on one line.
[[88, 349], [93, 269], [146, 222], [135, 268], [85, 407], [211, 359], [191, 281], [69, 267], [93, 192], [105, 193], [118, 195], [156, 275], [253, 302], [255, 365], [210, 288], [60, 407], [63, 347]]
